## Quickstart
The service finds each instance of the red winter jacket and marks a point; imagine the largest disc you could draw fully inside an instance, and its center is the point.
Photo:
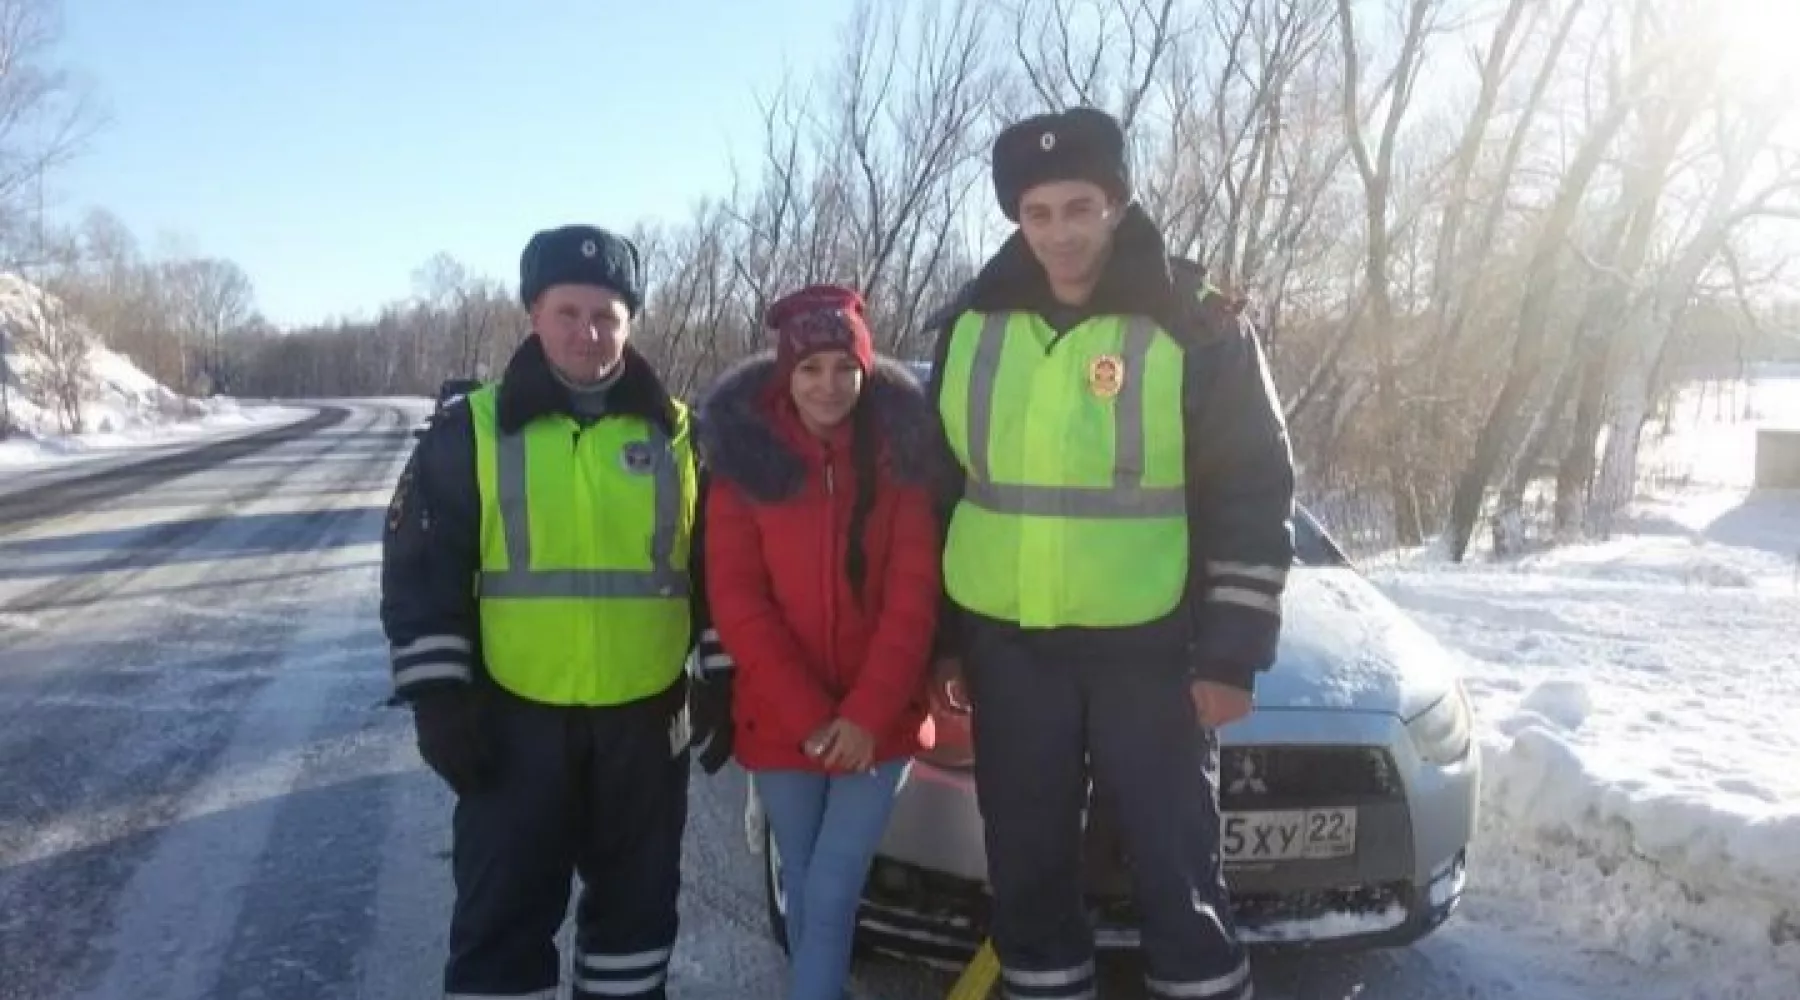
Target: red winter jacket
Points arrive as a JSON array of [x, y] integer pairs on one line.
[[777, 524]]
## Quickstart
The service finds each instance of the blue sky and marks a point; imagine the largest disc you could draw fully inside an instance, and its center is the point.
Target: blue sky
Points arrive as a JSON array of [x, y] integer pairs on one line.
[[331, 146]]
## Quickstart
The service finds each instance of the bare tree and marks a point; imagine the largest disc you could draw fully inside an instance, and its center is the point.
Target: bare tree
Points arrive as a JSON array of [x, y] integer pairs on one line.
[[1470, 267], [1539, 297], [1451, 271], [55, 346], [208, 298], [906, 125], [1097, 53], [863, 178], [468, 316], [1742, 147], [1376, 169], [696, 322], [98, 270], [1616, 278], [46, 117]]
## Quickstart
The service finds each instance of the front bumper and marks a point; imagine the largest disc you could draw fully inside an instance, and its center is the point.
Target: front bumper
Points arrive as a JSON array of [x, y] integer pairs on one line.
[[927, 895], [924, 915]]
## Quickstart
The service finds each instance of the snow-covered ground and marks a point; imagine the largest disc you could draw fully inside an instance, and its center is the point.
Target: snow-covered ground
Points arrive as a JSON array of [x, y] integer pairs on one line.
[[1637, 702], [122, 410]]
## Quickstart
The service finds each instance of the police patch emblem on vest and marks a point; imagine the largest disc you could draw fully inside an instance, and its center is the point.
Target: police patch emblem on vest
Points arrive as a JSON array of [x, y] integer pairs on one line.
[[1106, 376], [637, 458]]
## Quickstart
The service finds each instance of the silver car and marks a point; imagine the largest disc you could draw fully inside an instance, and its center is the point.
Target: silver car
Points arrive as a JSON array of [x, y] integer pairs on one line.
[[1349, 796]]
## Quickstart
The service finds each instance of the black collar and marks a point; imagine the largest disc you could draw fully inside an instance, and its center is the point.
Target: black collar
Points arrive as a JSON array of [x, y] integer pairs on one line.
[[1140, 278], [530, 390]]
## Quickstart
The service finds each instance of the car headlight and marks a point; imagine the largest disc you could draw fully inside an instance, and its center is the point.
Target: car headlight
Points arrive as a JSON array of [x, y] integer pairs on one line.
[[1444, 732]]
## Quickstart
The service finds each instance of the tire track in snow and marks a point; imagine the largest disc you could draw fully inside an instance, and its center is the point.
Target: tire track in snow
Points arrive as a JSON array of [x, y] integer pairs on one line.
[[93, 489], [226, 931], [126, 774], [180, 910], [403, 951], [79, 587], [84, 668]]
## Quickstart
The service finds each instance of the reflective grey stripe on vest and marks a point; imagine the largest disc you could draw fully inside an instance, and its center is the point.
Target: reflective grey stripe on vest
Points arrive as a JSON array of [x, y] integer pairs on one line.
[[1126, 498], [664, 579]]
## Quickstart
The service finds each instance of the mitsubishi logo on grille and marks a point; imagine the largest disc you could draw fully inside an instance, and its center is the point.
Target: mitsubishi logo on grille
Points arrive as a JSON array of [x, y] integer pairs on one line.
[[1246, 776]]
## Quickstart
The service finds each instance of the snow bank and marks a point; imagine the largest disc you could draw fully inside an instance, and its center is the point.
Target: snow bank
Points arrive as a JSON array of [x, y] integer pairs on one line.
[[121, 407], [1636, 701]]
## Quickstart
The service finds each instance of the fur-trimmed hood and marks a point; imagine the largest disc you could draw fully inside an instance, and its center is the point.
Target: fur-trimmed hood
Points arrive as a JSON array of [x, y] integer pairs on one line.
[[740, 442]]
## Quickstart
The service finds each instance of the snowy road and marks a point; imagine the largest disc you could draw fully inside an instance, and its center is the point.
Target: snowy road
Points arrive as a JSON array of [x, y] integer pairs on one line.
[[204, 795]]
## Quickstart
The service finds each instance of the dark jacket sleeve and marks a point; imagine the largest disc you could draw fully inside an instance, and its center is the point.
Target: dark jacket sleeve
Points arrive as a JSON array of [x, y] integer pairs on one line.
[[709, 653], [1240, 476], [429, 557]]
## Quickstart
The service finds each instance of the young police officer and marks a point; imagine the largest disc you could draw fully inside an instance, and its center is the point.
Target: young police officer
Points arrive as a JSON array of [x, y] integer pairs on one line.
[[1118, 542], [540, 591]]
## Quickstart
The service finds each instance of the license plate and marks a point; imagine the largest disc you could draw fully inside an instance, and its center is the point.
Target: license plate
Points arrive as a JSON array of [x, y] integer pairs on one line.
[[1288, 835]]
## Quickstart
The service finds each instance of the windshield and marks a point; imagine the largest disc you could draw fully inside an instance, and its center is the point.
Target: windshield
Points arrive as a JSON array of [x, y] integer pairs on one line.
[[1312, 546]]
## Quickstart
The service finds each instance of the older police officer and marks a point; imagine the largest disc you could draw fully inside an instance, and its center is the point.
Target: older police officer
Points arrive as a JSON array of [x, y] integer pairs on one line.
[[540, 594]]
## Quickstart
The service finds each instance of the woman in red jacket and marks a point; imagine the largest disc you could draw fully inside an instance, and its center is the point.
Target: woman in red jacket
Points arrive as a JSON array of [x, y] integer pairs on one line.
[[822, 577]]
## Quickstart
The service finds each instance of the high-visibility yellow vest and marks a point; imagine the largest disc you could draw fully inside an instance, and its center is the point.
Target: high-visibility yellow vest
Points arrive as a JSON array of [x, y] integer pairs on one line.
[[585, 534], [1075, 505]]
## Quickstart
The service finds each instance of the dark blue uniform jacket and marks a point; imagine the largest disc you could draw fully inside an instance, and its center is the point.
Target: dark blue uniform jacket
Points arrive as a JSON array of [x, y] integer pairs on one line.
[[1240, 472]]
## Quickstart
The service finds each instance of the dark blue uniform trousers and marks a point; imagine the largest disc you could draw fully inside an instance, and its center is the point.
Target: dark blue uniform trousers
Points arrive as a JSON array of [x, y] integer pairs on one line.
[[599, 792], [1046, 711]]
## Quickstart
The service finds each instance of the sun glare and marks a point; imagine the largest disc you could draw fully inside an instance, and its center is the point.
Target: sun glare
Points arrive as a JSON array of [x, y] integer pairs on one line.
[[1758, 36]]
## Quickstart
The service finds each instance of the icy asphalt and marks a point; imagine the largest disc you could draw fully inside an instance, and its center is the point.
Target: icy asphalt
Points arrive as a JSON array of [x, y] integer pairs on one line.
[[203, 795]]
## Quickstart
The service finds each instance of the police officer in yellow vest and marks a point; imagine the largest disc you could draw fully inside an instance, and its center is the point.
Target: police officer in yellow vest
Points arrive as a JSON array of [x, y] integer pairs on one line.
[[540, 594], [1119, 533]]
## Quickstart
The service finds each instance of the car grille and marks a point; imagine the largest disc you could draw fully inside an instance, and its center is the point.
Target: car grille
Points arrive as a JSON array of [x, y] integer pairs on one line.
[[926, 914], [1257, 909], [1253, 778], [1258, 776], [945, 917], [893, 884]]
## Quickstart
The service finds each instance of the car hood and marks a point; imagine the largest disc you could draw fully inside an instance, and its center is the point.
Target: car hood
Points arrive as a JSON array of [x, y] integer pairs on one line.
[[1344, 645]]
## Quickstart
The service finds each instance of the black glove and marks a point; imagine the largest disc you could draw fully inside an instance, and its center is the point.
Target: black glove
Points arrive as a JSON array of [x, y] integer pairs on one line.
[[709, 704], [453, 736]]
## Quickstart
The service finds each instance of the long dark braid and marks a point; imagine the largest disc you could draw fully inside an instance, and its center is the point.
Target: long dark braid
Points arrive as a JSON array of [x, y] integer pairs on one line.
[[865, 446]]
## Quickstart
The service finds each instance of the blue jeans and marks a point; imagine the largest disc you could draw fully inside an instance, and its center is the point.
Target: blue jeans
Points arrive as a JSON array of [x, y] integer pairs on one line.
[[826, 828]]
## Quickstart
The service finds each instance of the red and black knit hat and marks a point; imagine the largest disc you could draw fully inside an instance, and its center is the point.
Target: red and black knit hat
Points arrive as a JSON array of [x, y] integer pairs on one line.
[[820, 318]]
